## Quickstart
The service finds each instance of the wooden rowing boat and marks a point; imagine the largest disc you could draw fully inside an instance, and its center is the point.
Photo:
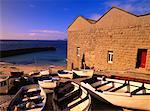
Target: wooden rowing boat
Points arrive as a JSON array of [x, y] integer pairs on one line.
[[16, 73], [84, 72], [6, 83], [44, 73], [65, 74], [34, 74], [71, 97], [28, 98], [47, 82], [124, 93]]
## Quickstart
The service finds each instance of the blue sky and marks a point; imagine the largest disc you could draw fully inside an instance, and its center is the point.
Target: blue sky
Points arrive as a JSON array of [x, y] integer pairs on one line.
[[49, 19]]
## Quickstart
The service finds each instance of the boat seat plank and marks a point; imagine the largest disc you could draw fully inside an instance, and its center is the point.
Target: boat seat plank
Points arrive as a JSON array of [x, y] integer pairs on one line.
[[96, 83], [23, 106], [137, 90], [32, 94], [33, 90], [103, 88], [72, 95], [75, 88], [102, 84], [118, 88], [39, 97], [110, 88], [35, 107], [75, 104], [91, 80], [117, 94], [63, 87], [64, 91]]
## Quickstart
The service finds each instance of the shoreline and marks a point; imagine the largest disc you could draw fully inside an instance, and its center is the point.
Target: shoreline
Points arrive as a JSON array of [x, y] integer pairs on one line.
[[6, 68]]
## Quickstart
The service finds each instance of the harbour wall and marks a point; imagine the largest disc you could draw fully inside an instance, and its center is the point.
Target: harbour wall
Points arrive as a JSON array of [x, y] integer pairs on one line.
[[25, 51]]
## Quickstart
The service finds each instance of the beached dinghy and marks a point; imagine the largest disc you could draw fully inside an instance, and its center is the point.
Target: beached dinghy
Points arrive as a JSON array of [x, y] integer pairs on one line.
[[124, 93], [48, 82], [44, 72], [28, 98], [34, 73], [65, 74], [39, 73], [84, 72], [6, 83], [71, 97]]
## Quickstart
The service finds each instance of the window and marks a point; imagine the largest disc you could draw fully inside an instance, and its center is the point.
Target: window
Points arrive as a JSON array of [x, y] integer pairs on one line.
[[110, 57], [78, 51]]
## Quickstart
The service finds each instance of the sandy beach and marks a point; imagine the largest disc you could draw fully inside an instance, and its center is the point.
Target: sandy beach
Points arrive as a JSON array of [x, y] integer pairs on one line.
[[4, 101], [6, 68]]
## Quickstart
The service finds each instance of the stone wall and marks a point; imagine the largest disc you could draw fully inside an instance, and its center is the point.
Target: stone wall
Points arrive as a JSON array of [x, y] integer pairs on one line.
[[111, 33]]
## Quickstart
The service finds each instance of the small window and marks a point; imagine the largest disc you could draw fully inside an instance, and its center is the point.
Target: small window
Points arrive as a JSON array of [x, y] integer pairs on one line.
[[110, 57], [78, 51]]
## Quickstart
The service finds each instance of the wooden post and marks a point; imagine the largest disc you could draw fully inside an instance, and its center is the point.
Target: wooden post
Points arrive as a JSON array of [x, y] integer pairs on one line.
[[113, 84], [78, 57], [144, 89], [84, 65], [128, 87], [78, 62]]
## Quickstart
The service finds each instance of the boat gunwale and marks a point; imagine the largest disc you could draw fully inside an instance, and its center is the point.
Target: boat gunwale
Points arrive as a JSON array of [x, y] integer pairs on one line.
[[4, 79], [126, 93], [80, 101], [20, 91]]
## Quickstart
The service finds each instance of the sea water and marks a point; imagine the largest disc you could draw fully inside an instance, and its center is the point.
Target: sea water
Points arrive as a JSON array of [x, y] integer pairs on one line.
[[57, 57]]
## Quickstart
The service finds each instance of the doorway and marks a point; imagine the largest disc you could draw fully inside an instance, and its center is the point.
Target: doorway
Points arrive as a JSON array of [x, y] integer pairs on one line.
[[72, 66], [141, 58]]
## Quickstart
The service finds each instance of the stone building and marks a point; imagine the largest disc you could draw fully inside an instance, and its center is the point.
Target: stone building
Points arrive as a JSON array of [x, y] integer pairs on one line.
[[119, 40]]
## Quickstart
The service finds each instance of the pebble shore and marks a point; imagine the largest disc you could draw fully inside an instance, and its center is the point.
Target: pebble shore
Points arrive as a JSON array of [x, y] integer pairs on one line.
[[6, 68], [4, 101]]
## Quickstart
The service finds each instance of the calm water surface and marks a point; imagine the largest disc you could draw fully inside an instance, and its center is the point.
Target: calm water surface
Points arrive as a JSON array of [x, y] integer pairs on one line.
[[57, 57]]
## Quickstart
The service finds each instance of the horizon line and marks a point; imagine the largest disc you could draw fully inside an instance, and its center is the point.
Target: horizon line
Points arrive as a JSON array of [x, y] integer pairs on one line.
[[32, 40]]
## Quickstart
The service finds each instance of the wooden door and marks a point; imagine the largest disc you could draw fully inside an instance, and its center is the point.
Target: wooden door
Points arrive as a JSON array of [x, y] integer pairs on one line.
[[143, 58]]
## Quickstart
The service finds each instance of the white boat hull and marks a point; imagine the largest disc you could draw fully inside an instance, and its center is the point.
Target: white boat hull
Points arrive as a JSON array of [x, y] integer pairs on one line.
[[70, 76], [120, 97], [83, 106], [86, 72], [28, 88], [44, 73], [67, 74], [47, 84], [6, 84], [141, 102]]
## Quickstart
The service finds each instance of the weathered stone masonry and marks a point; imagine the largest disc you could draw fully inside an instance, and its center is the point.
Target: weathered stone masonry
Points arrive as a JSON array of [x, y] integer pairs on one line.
[[117, 31]]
